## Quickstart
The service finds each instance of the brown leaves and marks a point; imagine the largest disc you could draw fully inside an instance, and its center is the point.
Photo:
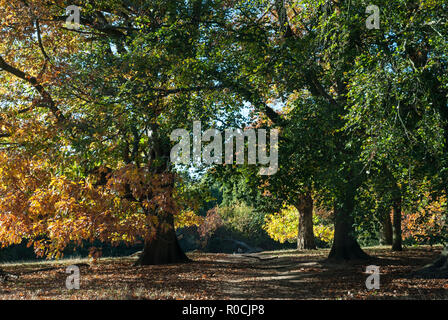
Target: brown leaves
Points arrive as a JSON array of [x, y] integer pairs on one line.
[[219, 276]]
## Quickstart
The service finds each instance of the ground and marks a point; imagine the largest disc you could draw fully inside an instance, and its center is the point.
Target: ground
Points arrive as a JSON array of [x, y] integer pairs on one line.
[[268, 275]]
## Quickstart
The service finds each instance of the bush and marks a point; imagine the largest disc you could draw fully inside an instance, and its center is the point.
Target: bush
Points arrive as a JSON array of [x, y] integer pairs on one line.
[[229, 228], [243, 220], [427, 225], [283, 227]]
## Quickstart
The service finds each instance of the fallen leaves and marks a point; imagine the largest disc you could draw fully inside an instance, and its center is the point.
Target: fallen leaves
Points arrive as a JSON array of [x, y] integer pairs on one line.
[[290, 275]]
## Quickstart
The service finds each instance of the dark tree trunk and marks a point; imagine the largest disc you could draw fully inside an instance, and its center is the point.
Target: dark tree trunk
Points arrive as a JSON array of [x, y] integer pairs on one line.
[[386, 236], [164, 248], [397, 242], [345, 247], [305, 238]]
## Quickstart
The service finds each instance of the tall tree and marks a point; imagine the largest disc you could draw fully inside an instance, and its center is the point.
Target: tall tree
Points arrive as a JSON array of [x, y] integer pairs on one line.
[[110, 95], [404, 77], [306, 55]]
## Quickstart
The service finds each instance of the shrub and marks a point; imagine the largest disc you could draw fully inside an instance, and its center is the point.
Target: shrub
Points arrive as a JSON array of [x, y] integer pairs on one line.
[[243, 219], [283, 227], [428, 224], [210, 224]]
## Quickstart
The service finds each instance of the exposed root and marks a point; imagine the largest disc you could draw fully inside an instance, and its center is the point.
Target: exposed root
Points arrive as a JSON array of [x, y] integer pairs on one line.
[[436, 270]]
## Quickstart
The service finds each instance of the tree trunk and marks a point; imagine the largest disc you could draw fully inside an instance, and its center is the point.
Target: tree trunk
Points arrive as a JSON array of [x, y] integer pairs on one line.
[[345, 247], [397, 242], [164, 248], [305, 238], [386, 236]]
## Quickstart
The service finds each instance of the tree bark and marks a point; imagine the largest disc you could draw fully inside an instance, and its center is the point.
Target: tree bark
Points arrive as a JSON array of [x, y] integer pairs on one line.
[[164, 248], [305, 238], [397, 241], [386, 237], [345, 247]]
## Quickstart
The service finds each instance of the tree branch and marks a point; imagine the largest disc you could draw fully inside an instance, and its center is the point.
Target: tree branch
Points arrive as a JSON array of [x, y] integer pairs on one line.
[[47, 100]]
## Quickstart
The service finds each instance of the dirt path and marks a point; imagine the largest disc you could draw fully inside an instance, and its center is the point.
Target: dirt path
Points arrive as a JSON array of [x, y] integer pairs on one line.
[[266, 272], [289, 275]]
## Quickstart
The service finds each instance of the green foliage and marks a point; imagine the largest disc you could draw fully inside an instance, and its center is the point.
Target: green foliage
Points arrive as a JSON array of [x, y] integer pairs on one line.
[[244, 221], [362, 114]]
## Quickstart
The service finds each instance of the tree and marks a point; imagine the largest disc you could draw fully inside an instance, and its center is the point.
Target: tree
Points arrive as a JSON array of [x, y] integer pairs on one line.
[[318, 46], [305, 237], [407, 85], [397, 216], [281, 51], [284, 225], [115, 88], [383, 211]]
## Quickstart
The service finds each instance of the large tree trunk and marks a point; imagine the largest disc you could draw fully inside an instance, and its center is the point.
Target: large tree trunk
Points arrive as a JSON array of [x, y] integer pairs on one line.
[[164, 248], [386, 236], [305, 238], [397, 242], [345, 247]]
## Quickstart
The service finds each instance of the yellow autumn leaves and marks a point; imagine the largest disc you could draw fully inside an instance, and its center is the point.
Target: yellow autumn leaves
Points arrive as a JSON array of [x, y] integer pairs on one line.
[[284, 226]]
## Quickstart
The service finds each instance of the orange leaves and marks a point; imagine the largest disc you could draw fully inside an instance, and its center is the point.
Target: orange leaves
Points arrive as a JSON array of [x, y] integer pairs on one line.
[[428, 224], [36, 203]]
